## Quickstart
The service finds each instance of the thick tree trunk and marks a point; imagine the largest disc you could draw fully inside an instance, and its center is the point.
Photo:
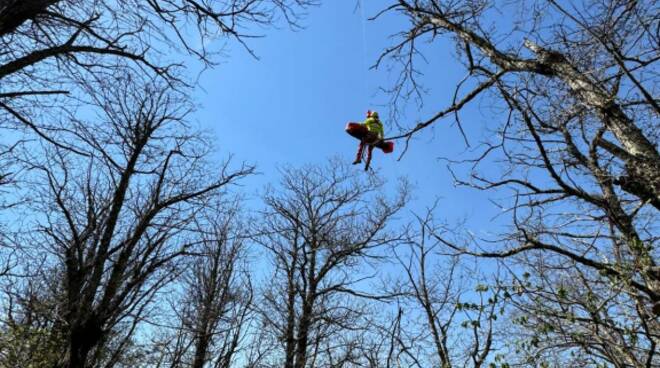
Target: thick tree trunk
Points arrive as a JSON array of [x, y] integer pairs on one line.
[[201, 348], [303, 332], [82, 339], [642, 180], [290, 342], [641, 156], [13, 13]]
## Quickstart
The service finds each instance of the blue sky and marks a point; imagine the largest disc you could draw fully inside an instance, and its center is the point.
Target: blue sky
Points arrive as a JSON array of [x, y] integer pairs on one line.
[[290, 106]]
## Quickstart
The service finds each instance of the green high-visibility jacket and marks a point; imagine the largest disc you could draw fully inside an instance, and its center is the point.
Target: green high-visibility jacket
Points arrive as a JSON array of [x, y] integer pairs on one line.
[[374, 125]]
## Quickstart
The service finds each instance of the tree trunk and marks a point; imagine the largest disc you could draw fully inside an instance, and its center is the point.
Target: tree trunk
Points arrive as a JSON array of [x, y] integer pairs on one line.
[[82, 339], [13, 13], [290, 342], [303, 331], [201, 348]]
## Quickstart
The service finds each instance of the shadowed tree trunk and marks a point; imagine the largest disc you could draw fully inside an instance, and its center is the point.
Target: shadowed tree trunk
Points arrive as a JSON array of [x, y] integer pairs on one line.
[[13, 13]]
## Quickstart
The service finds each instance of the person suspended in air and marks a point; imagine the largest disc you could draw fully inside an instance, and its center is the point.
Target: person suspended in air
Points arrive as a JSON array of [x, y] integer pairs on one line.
[[370, 134]]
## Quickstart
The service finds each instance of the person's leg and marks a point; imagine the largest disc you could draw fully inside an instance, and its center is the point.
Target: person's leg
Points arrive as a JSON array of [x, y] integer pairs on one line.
[[370, 139], [370, 149], [358, 158]]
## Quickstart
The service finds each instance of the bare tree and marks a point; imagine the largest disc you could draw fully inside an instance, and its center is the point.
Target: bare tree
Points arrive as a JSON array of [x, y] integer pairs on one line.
[[62, 38], [122, 193], [320, 228], [53, 52], [55, 55], [447, 314], [215, 306], [574, 86], [117, 219]]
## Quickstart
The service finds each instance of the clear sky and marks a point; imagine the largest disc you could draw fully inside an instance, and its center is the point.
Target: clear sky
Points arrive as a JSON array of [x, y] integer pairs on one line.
[[291, 105]]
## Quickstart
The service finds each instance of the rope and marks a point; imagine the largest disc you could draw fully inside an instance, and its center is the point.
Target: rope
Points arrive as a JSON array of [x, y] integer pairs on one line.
[[364, 49]]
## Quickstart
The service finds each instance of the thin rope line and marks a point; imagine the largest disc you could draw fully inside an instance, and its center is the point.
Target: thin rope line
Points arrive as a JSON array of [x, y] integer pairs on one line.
[[364, 49]]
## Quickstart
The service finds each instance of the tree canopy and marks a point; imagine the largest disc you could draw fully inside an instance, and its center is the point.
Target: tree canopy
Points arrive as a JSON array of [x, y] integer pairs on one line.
[[129, 239]]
